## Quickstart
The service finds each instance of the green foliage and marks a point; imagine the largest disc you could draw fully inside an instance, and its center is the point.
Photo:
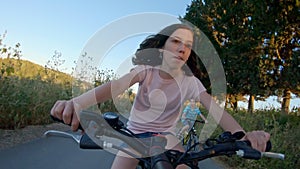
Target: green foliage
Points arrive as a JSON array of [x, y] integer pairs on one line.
[[26, 69], [25, 101], [257, 41], [120, 104], [29, 92], [284, 130], [7, 68]]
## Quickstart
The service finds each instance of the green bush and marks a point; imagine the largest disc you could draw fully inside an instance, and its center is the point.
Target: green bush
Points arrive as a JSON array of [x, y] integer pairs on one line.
[[25, 101], [284, 130]]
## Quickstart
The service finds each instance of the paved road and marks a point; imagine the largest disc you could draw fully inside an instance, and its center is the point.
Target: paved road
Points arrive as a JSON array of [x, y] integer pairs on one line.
[[62, 153]]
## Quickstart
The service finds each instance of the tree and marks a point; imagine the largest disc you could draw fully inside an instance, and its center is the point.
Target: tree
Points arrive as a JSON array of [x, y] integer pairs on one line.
[[230, 29], [241, 32], [281, 33]]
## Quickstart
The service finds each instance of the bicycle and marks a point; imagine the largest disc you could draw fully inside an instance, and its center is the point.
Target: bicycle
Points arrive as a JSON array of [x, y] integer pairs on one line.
[[155, 156], [192, 138]]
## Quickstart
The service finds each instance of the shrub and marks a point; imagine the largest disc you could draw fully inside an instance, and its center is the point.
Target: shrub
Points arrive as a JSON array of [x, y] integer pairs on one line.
[[284, 130], [26, 101]]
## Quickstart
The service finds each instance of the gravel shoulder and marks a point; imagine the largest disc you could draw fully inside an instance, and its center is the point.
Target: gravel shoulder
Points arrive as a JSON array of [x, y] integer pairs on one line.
[[12, 138]]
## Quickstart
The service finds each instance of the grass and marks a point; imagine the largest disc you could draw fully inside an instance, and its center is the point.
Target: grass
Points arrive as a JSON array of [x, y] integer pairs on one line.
[[285, 138], [26, 101]]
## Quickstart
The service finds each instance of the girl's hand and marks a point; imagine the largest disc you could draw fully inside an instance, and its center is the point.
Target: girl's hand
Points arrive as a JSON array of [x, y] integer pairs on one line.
[[258, 139], [64, 110]]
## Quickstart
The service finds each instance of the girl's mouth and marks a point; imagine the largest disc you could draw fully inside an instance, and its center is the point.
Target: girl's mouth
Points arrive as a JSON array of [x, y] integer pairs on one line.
[[180, 58]]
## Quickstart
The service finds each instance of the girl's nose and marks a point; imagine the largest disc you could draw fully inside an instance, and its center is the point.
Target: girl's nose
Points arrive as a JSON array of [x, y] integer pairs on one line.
[[182, 48]]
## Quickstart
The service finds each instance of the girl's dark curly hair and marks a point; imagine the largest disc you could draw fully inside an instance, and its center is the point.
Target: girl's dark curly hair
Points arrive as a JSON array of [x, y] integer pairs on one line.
[[148, 52]]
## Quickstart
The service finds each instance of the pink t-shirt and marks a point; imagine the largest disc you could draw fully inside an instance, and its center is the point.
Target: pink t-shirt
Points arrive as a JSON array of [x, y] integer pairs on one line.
[[157, 104]]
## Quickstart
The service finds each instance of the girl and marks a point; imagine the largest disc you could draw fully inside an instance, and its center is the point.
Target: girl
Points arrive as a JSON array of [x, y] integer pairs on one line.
[[164, 71]]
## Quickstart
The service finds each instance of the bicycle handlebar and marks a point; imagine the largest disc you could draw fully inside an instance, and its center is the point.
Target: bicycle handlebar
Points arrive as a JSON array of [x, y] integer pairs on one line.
[[61, 121], [109, 125], [195, 120]]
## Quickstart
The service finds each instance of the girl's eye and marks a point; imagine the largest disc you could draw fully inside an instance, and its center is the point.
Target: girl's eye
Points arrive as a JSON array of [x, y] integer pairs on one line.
[[179, 42], [176, 41], [189, 46]]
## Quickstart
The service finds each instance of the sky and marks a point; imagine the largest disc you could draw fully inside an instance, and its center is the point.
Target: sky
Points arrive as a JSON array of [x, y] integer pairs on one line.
[[68, 26], [45, 26]]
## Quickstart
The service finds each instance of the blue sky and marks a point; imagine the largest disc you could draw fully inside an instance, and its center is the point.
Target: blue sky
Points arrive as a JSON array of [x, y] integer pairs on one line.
[[43, 26]]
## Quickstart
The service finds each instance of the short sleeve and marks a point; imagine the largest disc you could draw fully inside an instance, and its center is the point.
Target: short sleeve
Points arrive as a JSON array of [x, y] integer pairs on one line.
[[198, 111], [141, 71], [196, 88], [185, 109]]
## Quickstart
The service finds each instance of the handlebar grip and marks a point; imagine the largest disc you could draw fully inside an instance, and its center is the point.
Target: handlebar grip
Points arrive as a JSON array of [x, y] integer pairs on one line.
[[87, 143], [61, 121], [200, 121], [250, 153], [268, 146]]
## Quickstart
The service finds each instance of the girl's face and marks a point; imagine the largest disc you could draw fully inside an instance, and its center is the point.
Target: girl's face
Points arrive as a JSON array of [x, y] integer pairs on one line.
[[177, 48]]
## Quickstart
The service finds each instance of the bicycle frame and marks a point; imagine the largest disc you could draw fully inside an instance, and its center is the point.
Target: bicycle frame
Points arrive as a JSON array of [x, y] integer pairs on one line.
[[191, 139]]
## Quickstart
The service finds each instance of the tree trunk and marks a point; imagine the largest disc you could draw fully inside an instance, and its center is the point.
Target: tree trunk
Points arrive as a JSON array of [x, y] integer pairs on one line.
[[285, 105], [227, 101], [235, 103], [251, 104], [231, 102]]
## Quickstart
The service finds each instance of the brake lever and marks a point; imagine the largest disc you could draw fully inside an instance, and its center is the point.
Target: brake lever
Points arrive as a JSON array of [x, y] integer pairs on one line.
[[75, 137]]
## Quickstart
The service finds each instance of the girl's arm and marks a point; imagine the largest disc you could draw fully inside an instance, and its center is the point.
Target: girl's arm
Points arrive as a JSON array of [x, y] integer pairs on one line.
[[68, 110], [226, 121], [106, 91], [258, 139], [203, 118]]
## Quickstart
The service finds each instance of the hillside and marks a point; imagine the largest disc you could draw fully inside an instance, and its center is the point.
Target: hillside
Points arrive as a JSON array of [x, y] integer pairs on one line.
[[27, 69], [28, 92]]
